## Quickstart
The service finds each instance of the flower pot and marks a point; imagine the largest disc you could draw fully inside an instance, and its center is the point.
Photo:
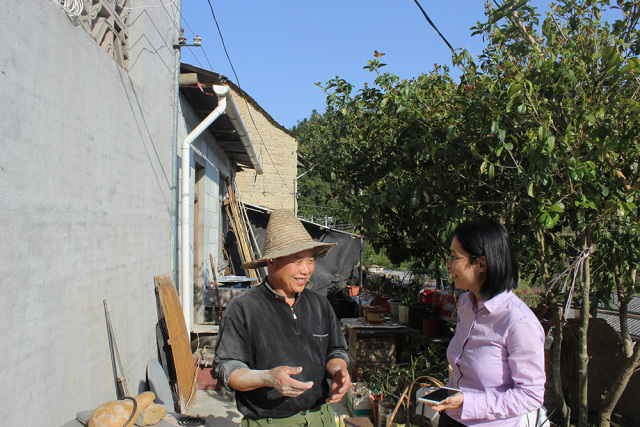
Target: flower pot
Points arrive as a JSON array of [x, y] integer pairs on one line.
[[403, 314], [376, 398], [394, 305], [430, 327], [385, 410], [418, 311], [353, 290], [375, 314], [383, 301]]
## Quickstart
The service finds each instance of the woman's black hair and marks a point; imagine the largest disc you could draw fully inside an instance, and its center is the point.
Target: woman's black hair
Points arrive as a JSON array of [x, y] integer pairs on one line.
[[487, 237]]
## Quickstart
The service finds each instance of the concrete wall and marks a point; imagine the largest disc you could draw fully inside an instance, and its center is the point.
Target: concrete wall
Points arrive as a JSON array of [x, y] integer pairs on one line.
[[85, 206], [276, 150]]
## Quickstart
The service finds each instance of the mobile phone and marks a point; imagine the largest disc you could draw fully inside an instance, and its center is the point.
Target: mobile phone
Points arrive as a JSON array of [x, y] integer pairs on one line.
[[437, 396]]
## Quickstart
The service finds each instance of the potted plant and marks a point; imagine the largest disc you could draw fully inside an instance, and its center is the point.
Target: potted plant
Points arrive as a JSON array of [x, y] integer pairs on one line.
[[353, 289], [386, 384], [431, 321], [403, 308], [389, 384]]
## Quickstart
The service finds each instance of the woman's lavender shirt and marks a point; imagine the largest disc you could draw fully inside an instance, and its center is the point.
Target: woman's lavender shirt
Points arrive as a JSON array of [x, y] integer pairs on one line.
[[497, 357]]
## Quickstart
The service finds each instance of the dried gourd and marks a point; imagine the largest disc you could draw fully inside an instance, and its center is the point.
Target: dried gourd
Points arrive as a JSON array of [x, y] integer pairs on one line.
[[116, 413], [151, 415]]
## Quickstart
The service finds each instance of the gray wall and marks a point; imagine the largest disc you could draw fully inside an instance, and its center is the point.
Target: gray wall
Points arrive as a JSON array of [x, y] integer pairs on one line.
[[85, 206]]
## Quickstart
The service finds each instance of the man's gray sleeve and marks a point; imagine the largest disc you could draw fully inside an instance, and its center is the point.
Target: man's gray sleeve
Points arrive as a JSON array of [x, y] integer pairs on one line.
[[337, 344], [232, 348]]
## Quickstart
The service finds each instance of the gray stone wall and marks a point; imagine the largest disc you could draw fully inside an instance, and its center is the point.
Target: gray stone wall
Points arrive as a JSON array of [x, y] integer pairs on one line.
[[85, 206]]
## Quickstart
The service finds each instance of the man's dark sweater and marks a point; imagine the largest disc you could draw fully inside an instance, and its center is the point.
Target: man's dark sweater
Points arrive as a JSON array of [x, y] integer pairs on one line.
[[259, 330]]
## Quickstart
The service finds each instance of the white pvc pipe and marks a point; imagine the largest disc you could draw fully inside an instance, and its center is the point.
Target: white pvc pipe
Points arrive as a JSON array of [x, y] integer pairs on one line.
[[234, 115], [227, 104], [186, 295]]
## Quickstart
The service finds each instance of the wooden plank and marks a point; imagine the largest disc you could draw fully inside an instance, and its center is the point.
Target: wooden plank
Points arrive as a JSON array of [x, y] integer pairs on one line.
[[179, 341]]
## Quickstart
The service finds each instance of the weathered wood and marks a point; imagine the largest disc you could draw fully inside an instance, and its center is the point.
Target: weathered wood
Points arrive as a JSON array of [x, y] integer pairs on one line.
[[215, 282], [188, 80], [179, 340]]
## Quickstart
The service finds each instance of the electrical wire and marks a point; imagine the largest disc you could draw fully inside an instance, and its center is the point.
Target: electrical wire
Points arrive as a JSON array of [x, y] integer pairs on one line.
[[133, 412], [72, 7], [224, 46], [434, 26], [262, 147]]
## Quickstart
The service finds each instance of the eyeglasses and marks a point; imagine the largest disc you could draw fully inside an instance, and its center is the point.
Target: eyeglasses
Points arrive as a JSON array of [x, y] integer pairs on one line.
[[453, 258]]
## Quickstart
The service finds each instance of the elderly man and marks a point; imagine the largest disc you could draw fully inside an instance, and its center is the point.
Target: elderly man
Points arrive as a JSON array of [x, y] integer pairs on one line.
[[280, 346]]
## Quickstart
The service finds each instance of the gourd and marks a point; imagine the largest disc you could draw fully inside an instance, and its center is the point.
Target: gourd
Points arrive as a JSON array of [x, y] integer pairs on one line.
[[117, 413], [151, 415]]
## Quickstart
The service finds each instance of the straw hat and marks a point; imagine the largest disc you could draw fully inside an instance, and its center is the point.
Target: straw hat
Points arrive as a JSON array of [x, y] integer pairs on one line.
[[285, 236]]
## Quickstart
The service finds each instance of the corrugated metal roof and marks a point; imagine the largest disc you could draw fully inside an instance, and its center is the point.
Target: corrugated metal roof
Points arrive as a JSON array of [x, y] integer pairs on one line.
[[633, 307], [613, 319]]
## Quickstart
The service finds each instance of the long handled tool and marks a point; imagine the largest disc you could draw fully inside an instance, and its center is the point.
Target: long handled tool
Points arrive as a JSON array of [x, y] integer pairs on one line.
[[215, 282], [122, 383]]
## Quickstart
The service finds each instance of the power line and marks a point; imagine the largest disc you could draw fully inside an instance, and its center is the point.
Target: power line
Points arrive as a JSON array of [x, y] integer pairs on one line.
[[434, 26], [224, 46]]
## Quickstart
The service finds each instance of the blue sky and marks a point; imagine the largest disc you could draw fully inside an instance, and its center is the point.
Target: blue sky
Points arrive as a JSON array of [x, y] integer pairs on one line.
[[281, 48]]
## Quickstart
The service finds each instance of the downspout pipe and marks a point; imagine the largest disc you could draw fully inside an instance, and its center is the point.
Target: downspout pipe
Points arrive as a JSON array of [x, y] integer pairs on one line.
[[175, 175], [186, 295]]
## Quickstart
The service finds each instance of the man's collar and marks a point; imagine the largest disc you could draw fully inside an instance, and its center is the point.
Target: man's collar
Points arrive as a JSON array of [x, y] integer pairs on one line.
[[278, 295]]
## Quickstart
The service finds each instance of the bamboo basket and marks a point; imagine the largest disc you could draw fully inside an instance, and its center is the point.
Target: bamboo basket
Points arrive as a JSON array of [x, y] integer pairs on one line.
[[407, 394]]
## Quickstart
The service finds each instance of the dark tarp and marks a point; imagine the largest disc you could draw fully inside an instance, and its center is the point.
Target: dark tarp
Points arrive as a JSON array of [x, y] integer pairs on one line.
[[335, 269]]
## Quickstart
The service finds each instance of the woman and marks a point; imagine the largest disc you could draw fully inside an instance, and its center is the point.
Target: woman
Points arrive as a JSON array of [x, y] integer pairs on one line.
[[497, 352]]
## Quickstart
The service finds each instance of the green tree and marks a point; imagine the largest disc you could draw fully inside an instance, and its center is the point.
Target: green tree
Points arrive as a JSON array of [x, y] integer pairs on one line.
[[314, 195], [541, 131]]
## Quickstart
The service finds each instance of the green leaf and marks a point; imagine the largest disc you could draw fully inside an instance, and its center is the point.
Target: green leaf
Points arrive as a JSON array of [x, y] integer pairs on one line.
[[551, 143], [556, 208], [542, 131], [530, 189], [514, 89]]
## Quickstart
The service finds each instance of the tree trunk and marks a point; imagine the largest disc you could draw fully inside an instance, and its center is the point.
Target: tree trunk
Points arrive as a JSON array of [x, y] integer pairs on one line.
[[583, 357], [613, 395], [557, 359], [556, 354], [631, 354]]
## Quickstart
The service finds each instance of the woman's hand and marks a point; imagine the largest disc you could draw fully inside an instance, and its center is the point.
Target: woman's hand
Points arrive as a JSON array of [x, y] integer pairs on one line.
[[452, 402]]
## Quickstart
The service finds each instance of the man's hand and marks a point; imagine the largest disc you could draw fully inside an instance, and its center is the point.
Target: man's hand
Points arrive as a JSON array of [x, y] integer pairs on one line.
[[340, 379], [280, 379], [452, 402]]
